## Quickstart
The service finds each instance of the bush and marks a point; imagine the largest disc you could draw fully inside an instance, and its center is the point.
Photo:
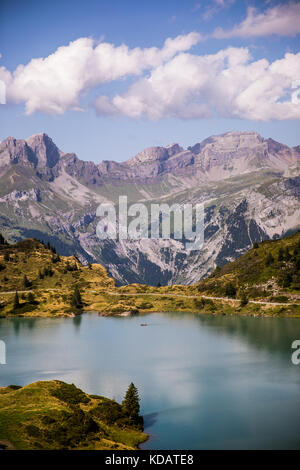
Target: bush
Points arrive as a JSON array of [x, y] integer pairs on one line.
[[269, 259], [32, 431], [230, 290], [108, 411], [145, 305], [279, 298], [31, 298], [199, 303], [244, 300], [26, 282], [70, 394]]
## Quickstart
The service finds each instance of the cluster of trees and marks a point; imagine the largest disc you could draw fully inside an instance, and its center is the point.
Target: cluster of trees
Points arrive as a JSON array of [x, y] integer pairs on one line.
[[125, 414], [30, 299], [288, 263], [55, 259], [284, 255], [48, 246], [231, 292], [71, 267], [46, 272]]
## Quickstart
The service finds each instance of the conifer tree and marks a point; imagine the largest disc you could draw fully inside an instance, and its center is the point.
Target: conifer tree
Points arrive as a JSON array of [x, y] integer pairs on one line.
[[26, 282], [230, 290], [16, 301], [287, 254], [2, 240], [280, 254], [76, 300], [269, 259], [130, 404], [31, 298], [244, 299]]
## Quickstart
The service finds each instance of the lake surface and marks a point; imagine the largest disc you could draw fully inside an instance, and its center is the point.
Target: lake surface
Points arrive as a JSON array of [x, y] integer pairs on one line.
[[205, 382]]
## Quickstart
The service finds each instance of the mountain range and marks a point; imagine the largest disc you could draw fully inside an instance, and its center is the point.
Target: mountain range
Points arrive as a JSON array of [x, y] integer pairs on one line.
[[250, 187]]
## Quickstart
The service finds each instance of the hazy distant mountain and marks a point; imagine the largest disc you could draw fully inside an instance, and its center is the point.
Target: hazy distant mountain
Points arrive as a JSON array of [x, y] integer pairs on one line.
[[250, 187]]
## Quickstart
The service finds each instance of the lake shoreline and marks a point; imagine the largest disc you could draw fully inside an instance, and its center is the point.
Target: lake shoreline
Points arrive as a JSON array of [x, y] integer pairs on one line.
[[127, 314]]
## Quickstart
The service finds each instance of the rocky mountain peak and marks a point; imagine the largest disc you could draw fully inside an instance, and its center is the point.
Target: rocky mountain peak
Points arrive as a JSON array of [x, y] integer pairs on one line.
[[45, 150], [173, 149], [13, 151], [150, 154]]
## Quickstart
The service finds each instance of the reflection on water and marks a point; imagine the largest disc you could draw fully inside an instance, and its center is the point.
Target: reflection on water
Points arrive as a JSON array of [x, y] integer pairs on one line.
[[205, 381]]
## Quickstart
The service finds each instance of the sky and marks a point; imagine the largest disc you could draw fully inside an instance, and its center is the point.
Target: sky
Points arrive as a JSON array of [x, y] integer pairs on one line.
[[107, 78]]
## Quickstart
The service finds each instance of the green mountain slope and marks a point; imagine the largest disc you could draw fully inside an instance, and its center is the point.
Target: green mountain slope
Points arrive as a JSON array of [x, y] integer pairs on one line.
[[270, 268]]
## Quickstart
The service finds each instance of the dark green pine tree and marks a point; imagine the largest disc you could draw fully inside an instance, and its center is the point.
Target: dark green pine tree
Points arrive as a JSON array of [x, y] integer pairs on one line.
[[2, 240], [131, 402], [244, 299], [269, 259], [287, 254], [31, 298], [26, 282], [76, 300], [280, 254], [230, 290], [16, 301]]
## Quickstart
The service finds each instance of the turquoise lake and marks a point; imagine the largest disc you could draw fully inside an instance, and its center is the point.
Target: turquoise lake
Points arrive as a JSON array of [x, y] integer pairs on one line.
[[205, 382]]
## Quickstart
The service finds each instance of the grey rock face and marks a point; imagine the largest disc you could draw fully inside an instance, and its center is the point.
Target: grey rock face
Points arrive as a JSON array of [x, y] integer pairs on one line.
[[250, 187], [45, 150], [13, 151]]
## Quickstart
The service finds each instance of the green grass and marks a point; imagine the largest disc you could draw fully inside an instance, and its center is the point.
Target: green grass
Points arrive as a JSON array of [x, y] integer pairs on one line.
[[56, 415]]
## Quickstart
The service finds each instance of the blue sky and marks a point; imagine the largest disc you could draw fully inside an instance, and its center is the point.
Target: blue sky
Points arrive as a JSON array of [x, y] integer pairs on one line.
[[111, 105]]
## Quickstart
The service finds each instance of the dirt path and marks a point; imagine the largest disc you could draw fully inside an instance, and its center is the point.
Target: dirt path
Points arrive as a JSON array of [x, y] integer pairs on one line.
[[225, 299]]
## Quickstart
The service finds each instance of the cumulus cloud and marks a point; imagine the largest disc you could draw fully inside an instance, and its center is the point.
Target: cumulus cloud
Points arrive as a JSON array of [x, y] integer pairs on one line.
[[228, 83], [55, 83], [169, 81], [282, 20]]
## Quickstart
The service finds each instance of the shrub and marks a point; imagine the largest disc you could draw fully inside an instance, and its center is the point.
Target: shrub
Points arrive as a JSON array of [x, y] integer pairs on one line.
[[244, 299], [145, 305], [109, 411], [269, 259], [32, 431], [76, 300], [69, 394], [230, 290]]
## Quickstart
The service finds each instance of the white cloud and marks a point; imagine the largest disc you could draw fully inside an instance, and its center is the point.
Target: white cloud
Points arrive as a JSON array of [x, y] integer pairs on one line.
[[282, 20], [227, 83], [169, 82], [55, 83]]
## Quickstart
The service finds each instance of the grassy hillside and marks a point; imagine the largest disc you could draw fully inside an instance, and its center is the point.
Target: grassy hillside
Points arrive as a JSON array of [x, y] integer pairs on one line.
[[56, 415], [264, 281], [31, 268], [270, 269]]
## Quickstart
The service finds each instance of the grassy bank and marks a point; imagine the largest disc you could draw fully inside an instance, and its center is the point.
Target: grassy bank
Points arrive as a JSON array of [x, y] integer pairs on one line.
[[56, 415]]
